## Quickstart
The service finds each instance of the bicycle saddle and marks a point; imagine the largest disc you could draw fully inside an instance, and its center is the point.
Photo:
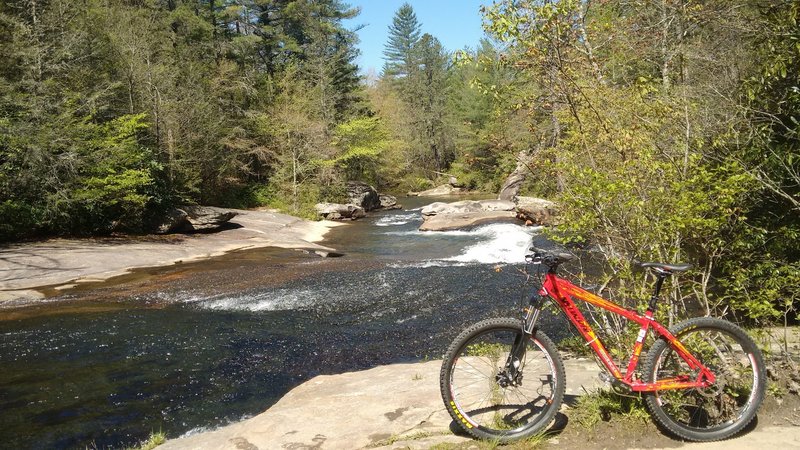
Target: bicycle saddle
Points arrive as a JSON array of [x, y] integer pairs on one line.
[[666, 267]]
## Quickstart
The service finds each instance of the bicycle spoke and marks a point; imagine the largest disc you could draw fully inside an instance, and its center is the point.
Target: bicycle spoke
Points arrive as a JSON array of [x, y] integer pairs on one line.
[[467, 362]]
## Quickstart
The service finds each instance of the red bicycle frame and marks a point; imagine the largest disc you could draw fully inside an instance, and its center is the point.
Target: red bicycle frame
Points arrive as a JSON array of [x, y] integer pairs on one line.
[[563, 292]]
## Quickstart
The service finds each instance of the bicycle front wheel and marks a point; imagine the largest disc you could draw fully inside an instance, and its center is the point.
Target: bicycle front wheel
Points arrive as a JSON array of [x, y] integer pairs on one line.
[[718, 411], [488, 397]]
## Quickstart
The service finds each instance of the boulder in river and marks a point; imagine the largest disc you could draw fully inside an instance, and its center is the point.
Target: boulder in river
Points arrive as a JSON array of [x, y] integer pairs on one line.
[[448, 222], [538, 210], [389, 202], [467, 206], [338, 211], [441, 216], [363, 198], [363, 195]]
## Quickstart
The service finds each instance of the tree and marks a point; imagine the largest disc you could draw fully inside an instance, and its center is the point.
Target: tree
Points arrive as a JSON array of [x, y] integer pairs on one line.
[[773, 95], [404, 33], [642, 121], [425, 89], [488, 134], [166, 101], [360, 143], [297, 138], [397, 163], [767, 145]]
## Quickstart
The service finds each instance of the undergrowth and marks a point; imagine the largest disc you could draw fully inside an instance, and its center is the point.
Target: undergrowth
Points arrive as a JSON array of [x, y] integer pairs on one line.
[[603, 405], [155, 439]]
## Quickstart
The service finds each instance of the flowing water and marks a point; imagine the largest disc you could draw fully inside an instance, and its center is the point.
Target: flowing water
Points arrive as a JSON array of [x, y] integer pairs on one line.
[[198, 346]]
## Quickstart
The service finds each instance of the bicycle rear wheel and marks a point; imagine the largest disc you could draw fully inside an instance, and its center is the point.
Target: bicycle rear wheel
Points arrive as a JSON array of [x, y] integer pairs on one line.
[[718, 411], [488, 400]]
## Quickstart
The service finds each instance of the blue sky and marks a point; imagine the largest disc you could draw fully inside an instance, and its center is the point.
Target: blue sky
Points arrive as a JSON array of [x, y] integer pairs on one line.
[[456, 23]]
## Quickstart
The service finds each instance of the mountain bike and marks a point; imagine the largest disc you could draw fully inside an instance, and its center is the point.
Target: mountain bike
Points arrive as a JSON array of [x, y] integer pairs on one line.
[[502, 379]]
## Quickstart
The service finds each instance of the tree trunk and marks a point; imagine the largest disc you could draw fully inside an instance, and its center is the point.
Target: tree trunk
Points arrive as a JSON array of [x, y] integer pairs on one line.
[[36, 33], [514, 181], [665, 56], [295, 156]]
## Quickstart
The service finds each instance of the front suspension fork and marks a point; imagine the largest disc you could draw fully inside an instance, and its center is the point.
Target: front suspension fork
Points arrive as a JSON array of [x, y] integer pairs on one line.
[[511, 374], [532, 313]]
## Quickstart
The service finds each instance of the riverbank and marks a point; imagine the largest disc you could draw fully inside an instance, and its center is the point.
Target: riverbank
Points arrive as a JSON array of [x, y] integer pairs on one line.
[[399, 407], [31, 271], [394, 406]]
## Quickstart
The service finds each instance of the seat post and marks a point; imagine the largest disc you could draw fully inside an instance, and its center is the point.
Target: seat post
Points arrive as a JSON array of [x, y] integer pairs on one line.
[[661, 274]]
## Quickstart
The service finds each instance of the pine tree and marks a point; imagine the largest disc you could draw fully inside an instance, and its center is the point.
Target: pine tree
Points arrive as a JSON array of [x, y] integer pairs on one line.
[[404, 33], [425, 90]]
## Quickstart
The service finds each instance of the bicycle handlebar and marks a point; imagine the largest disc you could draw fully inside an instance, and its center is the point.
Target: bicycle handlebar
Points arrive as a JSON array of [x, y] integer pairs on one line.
[[549, 258]]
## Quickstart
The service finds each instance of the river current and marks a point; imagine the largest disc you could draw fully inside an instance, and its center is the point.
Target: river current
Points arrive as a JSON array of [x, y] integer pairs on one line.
[[197, 346]]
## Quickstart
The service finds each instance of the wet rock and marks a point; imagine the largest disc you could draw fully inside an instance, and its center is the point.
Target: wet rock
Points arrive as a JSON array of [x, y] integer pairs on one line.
[[338, 211], [328, 254], [363, 195], [52, 263]]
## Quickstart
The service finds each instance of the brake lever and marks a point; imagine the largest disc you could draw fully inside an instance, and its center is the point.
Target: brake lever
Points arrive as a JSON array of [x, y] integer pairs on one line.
[[534, 258]]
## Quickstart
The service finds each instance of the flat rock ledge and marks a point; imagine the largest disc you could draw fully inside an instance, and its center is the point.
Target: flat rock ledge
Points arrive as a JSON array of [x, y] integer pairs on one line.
[[441, 216], [27, 268], [460, 221], [390, 407]]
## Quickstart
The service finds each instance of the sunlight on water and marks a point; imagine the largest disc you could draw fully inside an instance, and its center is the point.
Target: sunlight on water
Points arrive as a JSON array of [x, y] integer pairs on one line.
[[398, 219], [485, 245], [279, 300], [427, 264]]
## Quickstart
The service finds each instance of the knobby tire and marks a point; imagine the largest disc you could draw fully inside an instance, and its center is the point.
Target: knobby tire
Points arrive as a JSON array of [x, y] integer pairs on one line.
[[485, 405], [721, 410]]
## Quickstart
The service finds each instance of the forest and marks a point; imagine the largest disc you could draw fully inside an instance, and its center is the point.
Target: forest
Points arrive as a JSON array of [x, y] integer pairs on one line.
[[664, 129]]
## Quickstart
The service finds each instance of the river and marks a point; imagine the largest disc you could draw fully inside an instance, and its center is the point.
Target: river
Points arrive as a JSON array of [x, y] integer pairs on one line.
[[197, 346]]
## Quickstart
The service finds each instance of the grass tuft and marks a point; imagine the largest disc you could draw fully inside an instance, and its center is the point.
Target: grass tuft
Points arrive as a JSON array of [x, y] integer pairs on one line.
[[603, 404], [155, 439]]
